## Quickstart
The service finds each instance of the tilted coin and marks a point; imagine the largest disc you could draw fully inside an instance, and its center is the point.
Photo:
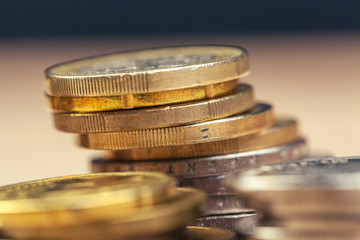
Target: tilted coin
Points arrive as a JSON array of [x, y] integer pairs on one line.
[[71, 200], [107, 103], [235, 221], [208, 166], [204, 233], [148, 70], [282, 132], [146, 221], [225, 204], [307, 187], [258, 118], [165, 116]]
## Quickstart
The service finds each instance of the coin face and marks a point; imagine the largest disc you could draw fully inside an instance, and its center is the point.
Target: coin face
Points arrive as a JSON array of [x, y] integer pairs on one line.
[[145, 60], [149, 70], [111, 66], [83, 191]]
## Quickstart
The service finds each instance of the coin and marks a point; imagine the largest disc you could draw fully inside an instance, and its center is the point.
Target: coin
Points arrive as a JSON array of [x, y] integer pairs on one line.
[[278, 233], [204, 233], [247, 221], [172, 115], [282, 132], [207, 166], [307, 187], [225, 204], [70, 200], [144, 222], [253, 121], [107, 103], [149, 70]]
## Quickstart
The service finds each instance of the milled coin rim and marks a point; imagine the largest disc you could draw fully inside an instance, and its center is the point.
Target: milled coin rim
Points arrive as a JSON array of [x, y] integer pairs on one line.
[[231, 66], [255, 120], [237, 101]]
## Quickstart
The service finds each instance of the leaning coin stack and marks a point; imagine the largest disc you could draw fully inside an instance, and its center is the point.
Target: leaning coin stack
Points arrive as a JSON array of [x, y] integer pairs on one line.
[[178, 110], [314, 198]]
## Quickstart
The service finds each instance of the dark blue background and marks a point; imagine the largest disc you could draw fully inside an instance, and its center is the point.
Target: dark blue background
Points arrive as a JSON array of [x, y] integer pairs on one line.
[[21, 18]]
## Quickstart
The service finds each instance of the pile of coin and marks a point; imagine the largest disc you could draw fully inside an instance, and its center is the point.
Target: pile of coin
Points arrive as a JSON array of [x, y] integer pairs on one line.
[[314, 198], [103, 206], [178, 110]]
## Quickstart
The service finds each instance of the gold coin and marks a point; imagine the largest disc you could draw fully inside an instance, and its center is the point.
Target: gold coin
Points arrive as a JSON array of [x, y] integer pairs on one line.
[[282, 132], [149, 70], [258, 118], [165, 116], [106, 103], [71, 200], [206, 233], [146, 221]]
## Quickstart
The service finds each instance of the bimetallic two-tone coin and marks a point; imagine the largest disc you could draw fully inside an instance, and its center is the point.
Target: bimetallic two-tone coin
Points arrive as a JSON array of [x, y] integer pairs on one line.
[[146, 221], [72, 200], [282, 132], [238, 101], [255, 120], [148, 70], [140, 100]]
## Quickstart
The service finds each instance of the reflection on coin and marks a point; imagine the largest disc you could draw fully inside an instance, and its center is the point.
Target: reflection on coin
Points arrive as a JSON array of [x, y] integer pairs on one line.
[[165, 116], [225, 204], [149, 70], [80, 198], [107, 103], [158, 219], [282, 132], [204, 233], [246, 221]]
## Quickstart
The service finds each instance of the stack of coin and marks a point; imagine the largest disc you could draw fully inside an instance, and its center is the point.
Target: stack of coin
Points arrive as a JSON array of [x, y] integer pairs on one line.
[[102, 206], [314, 198], [178, 110]]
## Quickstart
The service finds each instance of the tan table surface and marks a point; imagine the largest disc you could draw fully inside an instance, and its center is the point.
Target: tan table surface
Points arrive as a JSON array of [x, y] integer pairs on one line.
[[315, 78]]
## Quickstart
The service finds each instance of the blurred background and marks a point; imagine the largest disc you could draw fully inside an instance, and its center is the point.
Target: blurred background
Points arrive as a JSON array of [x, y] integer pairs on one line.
[[304, 56]]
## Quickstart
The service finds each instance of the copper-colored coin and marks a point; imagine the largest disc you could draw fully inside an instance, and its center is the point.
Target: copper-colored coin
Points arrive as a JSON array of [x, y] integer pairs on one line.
[[240, 100], [107, 103], [257, 119], [282, 132]]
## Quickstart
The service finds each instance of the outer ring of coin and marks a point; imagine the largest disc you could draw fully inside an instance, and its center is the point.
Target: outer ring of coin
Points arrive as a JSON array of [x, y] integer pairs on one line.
[[74, 197], [204, 233], [258, 118], [156, 220], [165, 116], [90, 77], [107, 103], [281, 132], [235, 221], [225, 204]]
